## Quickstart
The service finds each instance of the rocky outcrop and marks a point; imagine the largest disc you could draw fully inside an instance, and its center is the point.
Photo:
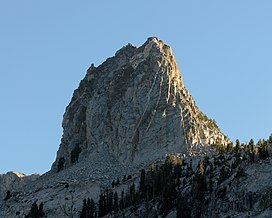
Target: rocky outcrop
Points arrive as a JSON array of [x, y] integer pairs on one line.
[[12, 181], [135, 106]]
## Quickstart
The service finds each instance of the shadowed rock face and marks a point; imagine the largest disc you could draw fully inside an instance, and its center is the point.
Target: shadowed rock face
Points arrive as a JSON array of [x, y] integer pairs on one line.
[[136, 107]]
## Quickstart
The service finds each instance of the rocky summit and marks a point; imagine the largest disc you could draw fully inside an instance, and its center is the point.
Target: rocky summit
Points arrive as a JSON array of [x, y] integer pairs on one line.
[[135, 144], [136, 107]]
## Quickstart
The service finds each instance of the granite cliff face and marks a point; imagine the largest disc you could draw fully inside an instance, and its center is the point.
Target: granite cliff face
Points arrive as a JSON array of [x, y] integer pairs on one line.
[[136, 107]]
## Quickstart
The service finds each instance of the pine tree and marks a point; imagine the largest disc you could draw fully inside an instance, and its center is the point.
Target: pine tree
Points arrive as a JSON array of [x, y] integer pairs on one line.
[[35, 211], [84, 209], [132, 194], [263, 150], [237, 146], [223, 175], [101, 205], [122, 200], [88, 209], [110, 202], [190, 169], [169, 194], [211, 176], [41, 213], [230, 148], [270, 139], [115, 202], [199, 188], [251, 145], [93, 209], [142, 182]]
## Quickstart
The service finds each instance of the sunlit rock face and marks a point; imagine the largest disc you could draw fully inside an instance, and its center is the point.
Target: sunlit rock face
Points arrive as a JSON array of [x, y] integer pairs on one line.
[[136, 107]]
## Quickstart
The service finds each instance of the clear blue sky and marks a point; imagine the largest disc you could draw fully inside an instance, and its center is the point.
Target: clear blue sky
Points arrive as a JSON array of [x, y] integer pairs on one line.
[[223, 49]]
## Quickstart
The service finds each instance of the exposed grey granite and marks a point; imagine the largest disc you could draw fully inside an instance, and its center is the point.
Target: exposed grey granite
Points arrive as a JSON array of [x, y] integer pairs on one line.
[[126, 113], [136, 106]]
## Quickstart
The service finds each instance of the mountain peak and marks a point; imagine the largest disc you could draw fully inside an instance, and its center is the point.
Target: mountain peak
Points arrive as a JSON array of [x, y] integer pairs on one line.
[[131, 105], [131, 111]]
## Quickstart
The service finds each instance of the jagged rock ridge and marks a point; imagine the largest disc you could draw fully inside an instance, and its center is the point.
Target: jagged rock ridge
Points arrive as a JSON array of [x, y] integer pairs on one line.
[[136, 107]]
